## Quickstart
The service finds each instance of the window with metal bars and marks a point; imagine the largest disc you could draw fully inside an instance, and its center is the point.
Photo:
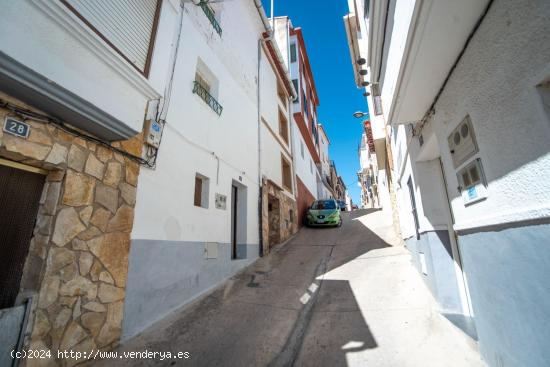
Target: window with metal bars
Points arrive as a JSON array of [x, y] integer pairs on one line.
[[211, 15]]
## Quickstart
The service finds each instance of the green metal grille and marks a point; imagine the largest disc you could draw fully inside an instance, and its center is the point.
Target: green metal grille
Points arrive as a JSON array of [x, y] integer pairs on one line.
[[211, 16], [199, 90]]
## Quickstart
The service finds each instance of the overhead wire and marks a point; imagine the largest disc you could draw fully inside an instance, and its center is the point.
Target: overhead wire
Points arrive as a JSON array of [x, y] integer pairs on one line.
[[26, 113]]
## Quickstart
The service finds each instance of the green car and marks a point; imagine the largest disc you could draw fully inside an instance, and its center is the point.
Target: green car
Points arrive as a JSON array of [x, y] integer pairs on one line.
[[324, 213]]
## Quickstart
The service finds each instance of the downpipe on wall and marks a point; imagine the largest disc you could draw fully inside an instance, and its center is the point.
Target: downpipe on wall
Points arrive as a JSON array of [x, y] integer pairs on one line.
[[260, 181]]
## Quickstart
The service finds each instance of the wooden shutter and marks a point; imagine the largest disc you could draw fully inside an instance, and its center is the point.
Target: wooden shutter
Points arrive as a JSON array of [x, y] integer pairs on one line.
[[198, 191], [127, 25]]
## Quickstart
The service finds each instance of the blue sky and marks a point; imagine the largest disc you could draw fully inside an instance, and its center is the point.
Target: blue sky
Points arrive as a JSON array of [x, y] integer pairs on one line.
[[325, 38]]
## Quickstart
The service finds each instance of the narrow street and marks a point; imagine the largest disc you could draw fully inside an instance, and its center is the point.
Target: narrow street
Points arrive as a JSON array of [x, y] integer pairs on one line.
[[329, 297]]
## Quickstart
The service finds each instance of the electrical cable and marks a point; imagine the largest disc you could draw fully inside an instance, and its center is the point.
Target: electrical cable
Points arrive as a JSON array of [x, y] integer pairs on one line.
[[26, 113], [431, 110]]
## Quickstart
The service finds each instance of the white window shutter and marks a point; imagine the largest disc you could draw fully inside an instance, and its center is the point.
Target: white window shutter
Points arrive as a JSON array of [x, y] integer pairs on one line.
[[126, 24]]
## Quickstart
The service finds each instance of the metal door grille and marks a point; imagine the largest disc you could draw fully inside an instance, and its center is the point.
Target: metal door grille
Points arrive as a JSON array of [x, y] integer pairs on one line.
[[20, 193]]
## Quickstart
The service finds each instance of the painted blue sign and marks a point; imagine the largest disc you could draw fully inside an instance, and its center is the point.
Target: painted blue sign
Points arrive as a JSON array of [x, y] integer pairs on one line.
[[17, 128], [472, 193]]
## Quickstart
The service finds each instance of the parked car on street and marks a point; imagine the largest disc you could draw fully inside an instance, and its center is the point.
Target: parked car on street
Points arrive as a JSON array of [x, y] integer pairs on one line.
[[342, 205], [324, 213]]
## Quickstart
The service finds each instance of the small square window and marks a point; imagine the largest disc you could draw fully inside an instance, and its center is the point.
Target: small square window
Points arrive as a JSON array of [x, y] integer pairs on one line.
[[201, 191]]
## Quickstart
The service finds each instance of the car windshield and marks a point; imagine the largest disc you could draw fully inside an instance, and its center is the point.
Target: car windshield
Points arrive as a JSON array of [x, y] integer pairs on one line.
[[323, 204]]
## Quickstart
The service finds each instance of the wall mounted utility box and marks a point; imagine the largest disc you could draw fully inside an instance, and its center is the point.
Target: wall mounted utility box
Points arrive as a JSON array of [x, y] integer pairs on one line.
[[473, 185], [462, 142], [153, 131], [211, 250]]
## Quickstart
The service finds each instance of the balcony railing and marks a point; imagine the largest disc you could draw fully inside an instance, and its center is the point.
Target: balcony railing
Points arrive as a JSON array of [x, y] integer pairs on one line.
[[211, 16], [199, 90]]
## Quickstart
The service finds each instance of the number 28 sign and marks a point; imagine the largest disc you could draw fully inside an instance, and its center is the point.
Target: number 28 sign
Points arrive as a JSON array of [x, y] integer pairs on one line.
[[17, 128]]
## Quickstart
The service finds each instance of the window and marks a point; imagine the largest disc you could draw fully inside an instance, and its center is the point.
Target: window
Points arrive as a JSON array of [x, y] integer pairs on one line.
[[311, 166], [202, 81], [302, 148], [282, 94], [283, 126], [211, 15], [129, 27], [206, 87], [293, 52], [201, 191], [287, 174], [295, 83]]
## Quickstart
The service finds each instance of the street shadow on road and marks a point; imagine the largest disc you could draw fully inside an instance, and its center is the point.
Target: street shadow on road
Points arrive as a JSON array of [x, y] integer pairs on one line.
[[337, 328], [277, 312]]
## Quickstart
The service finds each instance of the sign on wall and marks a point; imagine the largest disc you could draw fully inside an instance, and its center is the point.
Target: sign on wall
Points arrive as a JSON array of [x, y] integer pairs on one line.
[[17, 128], [221, 201]]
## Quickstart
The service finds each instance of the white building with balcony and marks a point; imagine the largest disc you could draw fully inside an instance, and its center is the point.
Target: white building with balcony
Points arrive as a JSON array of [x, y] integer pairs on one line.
[[197, 216], [78, 80]]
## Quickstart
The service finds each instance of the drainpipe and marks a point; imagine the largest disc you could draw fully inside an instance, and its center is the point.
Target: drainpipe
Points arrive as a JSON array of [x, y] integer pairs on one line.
[[290, 118], [260, 181], [261, 13]]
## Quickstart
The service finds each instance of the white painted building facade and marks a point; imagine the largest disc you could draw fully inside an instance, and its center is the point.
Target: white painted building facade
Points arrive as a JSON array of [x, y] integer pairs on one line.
[[197, 214], [323, 179], [464, 87], [304, 112]]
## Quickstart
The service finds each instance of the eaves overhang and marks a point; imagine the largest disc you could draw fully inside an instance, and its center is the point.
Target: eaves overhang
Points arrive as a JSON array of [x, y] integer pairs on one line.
[[437, 35], [27, 85], [353, 45]]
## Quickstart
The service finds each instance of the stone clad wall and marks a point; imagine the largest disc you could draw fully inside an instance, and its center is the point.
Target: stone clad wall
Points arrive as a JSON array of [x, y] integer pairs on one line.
[[288, 226], [78, 257]]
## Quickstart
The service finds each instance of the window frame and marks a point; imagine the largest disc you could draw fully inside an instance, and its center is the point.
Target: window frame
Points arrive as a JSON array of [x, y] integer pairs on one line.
[[282, 118], [286, 185], [204, 193], [293, 55]]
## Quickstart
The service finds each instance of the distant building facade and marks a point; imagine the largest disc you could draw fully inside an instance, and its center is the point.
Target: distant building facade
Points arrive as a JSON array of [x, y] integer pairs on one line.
[[304, 108]]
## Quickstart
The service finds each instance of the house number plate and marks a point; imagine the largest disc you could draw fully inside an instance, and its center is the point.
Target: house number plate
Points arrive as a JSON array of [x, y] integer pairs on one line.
[[17, 128]]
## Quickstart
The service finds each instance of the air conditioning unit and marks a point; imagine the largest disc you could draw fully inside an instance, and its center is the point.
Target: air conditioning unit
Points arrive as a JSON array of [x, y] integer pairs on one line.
[[462, 142]]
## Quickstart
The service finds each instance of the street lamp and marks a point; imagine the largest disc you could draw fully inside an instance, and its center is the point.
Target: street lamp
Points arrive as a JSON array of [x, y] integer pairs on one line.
[[359, 114]]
